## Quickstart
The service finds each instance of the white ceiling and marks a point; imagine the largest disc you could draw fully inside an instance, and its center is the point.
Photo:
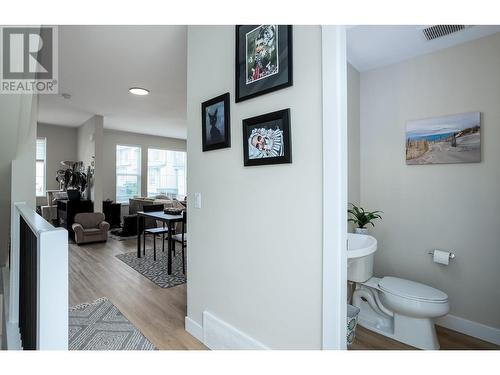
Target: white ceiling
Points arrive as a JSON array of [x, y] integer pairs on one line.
[[370, 47], [97, 66]]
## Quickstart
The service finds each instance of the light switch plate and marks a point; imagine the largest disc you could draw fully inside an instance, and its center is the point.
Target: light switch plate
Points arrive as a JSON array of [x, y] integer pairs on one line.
[[197, 200]]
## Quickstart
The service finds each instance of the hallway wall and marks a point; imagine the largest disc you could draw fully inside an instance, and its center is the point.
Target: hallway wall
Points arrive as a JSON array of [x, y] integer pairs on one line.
[[255, 247]]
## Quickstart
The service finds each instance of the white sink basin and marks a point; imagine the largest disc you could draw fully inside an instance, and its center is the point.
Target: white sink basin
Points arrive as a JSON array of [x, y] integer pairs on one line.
[[360, 253], [360, 245]]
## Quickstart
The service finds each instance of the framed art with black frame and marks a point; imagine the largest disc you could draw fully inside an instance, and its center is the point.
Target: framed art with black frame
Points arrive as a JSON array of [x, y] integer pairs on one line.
[[263, 59], [216, 127], [267, 139]]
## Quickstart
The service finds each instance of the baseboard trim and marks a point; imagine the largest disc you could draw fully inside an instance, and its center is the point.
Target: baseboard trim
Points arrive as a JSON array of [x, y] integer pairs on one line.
[[216, 334], [193, 328], [468, 327], [220, 335]]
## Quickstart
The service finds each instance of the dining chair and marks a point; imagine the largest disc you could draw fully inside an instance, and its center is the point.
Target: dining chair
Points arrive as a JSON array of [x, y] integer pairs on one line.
[[182, 238], [154, 230]]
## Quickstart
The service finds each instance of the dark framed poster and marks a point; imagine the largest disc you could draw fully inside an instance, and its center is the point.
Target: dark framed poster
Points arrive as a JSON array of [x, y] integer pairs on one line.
[[264, 59], [216, 127], [267, 139]]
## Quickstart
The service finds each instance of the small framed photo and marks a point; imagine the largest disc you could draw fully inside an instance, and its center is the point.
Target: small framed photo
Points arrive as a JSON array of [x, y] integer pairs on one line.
[[216, 127], [267, 139], [263, 59]]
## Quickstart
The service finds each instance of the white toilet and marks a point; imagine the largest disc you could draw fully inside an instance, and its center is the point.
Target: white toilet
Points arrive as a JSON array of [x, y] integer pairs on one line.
[[397, 308]]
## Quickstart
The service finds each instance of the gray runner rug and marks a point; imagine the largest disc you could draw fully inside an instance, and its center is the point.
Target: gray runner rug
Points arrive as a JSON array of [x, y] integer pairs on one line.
[[99, 325]]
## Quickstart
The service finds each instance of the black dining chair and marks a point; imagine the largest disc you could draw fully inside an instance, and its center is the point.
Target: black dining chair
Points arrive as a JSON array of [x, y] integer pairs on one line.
[[154, 230], [182, 238]]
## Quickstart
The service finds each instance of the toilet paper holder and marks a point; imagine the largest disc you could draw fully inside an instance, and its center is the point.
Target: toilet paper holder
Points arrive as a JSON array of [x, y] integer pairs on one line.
[[452, 255]]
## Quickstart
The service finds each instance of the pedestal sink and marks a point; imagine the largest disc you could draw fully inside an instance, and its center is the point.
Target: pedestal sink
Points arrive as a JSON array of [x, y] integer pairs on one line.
[[360, 251]]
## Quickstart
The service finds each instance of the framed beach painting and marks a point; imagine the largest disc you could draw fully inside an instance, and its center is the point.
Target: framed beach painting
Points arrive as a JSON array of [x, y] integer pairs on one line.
[[263, 59], [267, 139], [216, 129], [444, 140]]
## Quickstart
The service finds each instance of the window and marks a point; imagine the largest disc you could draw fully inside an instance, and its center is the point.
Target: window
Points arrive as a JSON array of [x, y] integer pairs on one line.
[[41, 147], [128, 172], [166, 173]]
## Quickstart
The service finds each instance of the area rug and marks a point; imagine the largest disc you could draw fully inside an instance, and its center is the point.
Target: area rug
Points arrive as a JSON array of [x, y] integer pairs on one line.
[[99, 325], [156, 271]]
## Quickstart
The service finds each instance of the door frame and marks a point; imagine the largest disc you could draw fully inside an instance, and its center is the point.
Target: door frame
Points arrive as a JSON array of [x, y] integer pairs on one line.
[[334, 76]]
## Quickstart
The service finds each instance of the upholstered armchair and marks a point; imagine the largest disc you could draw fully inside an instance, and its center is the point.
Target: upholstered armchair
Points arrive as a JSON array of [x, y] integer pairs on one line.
[[90, 227]]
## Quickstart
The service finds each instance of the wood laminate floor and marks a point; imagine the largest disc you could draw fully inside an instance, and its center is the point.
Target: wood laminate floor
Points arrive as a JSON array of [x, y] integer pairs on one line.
[[448, 340], [158, 313]]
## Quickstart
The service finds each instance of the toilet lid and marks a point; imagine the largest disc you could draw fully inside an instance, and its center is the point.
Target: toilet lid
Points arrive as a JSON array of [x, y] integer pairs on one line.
[[411, 289]]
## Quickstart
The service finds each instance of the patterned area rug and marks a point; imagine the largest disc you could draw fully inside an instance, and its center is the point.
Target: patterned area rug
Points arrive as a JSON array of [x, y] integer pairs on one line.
[[156, 271], [101, 326]]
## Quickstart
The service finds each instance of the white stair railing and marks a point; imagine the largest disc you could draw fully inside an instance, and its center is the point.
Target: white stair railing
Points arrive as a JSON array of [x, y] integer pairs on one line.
[[38, 297]]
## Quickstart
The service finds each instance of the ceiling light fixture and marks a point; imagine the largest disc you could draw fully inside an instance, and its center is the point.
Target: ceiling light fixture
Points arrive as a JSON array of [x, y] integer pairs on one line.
[[138, 91]]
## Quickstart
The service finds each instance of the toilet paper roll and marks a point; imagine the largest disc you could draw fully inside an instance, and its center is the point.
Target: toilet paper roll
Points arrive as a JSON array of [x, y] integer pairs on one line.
[[441, 257]]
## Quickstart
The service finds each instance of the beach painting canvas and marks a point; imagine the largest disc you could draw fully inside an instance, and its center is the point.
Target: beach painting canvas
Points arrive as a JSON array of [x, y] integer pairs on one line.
[[444, 140]]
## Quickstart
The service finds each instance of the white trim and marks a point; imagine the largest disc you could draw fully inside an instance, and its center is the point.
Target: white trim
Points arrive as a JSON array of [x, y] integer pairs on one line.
[[334, 70], [220, 335], [468, 327], [53, 286], [11, 339], [217, 334], [12, 336], [193, 328]]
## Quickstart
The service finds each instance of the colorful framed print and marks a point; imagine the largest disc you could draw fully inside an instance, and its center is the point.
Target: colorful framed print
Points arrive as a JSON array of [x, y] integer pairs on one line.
[[264, 59], [267, 139], [444, 140]]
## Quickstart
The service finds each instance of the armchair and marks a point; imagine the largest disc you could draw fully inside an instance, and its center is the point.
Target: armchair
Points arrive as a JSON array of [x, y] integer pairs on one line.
[[90, 227]]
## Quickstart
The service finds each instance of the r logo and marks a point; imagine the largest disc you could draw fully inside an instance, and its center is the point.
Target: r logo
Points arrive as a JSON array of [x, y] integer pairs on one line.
[[27, 53]]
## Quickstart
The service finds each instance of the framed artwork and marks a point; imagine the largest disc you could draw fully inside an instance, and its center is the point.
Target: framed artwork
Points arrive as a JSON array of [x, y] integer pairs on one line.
[[216, 127], [263, 59], [267, 139], [444, 140]]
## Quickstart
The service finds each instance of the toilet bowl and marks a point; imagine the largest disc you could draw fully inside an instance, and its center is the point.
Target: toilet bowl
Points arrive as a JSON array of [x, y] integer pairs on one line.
[[401, 309]]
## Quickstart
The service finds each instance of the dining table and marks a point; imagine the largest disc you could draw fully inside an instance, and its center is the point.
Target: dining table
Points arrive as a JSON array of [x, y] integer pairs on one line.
[[170, 221]]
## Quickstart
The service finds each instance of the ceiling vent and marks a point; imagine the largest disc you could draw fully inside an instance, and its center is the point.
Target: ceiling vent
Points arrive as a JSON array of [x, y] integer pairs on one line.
[[437, 31]]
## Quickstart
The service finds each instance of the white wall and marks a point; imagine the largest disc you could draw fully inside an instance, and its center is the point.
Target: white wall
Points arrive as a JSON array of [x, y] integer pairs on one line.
[[61, 145], [17, 150], [9, 109], [255, 247], [111, 138], [89, 144], [23, 165], [353, 134], [451, 207]]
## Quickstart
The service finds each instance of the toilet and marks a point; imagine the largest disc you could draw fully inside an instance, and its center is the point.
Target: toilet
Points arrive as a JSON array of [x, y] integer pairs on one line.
[[401, 309]]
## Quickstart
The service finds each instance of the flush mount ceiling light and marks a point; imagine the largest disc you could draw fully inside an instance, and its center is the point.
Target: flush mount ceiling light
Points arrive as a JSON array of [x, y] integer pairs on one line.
[[138, 91]]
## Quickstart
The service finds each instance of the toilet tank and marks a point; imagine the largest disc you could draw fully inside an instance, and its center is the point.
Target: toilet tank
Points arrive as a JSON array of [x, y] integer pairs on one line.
[[360, 269]]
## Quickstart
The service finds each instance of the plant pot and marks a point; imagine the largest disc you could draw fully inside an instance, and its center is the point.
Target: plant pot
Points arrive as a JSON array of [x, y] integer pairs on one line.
[[361, 230], [73, 194]]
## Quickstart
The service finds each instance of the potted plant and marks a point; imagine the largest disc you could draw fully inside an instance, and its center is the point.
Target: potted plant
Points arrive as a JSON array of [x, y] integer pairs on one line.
[[361, 218], [73, 180]]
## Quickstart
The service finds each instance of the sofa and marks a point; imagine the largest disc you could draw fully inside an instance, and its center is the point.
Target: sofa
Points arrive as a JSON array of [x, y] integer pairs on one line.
[[137, 204], [90, 227]]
